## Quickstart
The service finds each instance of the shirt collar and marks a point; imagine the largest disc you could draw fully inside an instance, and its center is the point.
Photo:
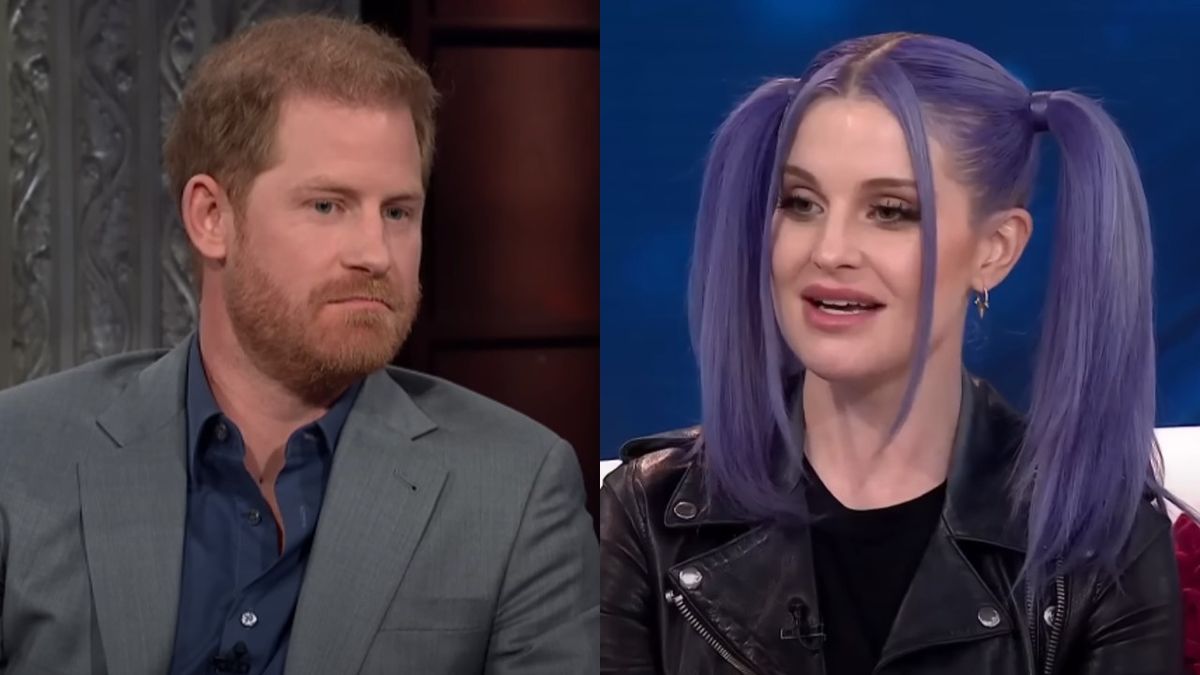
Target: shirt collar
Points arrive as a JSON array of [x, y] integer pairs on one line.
[[202, 407]]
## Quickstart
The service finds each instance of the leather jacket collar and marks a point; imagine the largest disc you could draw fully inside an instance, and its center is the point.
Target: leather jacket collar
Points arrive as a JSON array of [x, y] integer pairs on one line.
[[978, 502], [757, 591]]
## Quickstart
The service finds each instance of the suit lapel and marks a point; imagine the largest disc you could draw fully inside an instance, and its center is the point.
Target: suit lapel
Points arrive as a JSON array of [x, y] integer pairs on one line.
[[133, 499], [380, 496]]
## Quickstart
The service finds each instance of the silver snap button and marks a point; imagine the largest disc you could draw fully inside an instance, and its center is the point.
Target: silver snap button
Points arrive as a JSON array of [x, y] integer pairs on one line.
[[690, 577], [685, 510], [222, 432], [1048, 616], [989, 617], [249, 619]]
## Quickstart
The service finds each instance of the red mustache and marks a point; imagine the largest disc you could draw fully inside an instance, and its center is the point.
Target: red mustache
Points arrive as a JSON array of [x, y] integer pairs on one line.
[[377, 290]]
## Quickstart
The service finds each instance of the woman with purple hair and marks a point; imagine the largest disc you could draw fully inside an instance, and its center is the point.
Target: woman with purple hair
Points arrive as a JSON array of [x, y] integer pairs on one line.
[[853, 501]]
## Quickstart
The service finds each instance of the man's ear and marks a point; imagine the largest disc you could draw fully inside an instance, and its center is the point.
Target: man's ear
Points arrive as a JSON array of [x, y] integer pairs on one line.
[[207, 217]]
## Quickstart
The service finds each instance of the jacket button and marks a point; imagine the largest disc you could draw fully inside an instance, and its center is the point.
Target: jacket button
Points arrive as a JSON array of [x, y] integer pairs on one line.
[[1048, 616], [690, 577], [989, 617], [685, 510]]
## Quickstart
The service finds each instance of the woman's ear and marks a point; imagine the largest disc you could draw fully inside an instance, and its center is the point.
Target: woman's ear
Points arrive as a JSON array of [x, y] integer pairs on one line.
[[1006, 234]]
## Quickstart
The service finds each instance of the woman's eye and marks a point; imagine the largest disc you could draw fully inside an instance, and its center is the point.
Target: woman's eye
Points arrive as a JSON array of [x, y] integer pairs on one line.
[[799, 206], [894, 212]]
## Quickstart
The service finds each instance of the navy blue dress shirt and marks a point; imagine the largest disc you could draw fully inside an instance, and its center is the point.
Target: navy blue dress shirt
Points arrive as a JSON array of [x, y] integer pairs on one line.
[[238, 593]]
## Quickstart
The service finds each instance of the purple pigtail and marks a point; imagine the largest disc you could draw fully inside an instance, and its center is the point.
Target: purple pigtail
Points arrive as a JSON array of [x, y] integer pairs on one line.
[[1090, 454], [726, 335]]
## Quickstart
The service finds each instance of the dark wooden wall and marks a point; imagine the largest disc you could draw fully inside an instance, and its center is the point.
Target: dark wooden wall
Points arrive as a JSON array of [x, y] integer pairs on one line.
[[511, 272]]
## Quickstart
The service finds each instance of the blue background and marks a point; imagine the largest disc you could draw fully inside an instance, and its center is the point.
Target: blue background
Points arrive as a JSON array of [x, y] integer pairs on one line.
[[671, 70]]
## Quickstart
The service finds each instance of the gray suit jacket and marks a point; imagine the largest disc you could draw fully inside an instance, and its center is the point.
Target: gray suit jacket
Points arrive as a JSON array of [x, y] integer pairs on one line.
[[453, 537]]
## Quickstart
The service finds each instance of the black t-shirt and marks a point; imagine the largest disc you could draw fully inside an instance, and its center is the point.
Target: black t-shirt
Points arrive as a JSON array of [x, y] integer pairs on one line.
[[864, 562]]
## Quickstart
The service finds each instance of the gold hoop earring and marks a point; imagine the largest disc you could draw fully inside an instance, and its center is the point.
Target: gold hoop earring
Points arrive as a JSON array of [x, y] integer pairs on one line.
[[981, 302]]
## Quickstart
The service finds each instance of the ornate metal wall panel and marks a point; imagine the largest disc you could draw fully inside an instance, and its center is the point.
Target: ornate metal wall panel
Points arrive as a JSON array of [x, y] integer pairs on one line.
[[93, 260]]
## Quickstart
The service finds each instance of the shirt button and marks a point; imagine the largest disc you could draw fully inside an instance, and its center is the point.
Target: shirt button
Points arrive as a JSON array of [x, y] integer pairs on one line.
[[249, 619], [310, 437], [222, 432], [254, 516]]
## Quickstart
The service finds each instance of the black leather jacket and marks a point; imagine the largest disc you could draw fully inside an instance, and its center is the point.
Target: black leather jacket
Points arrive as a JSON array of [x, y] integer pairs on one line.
[[690, 590]]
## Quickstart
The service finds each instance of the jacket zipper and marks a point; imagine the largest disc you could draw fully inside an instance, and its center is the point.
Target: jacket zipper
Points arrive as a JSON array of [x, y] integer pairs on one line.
[[712, 640], [1032, 620], [1060, 615]]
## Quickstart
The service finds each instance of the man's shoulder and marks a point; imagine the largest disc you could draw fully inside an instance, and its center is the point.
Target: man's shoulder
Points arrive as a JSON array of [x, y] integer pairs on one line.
[[83, 390], [53, 419], [494, 452], [471, 417]]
